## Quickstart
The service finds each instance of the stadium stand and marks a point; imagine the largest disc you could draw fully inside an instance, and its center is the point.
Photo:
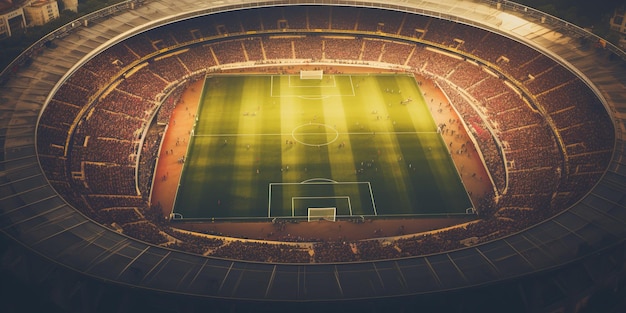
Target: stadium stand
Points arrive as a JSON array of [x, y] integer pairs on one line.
[[493, 111]]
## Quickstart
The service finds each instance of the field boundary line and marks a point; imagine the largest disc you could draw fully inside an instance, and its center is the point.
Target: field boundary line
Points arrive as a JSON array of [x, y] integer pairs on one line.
[[321, 133]]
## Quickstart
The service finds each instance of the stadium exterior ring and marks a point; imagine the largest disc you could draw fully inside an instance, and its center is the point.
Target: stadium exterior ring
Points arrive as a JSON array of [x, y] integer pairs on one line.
[[50, 231]]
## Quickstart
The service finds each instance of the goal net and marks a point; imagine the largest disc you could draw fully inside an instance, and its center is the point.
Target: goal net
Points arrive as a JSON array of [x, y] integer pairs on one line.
[[318, 74], [316, 214]]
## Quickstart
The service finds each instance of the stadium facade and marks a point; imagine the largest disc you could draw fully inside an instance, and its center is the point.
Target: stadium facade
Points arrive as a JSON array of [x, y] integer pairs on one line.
[[563, 263]]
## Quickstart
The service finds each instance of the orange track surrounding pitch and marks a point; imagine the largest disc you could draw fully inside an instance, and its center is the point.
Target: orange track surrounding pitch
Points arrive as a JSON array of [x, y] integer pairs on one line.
[[181, 122]]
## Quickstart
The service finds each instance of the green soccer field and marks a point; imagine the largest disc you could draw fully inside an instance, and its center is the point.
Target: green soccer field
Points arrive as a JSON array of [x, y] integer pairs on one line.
[[274, 146]]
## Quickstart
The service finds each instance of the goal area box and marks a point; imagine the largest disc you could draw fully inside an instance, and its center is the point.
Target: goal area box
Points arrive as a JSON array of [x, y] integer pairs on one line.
[[316, 214], [312, 74]]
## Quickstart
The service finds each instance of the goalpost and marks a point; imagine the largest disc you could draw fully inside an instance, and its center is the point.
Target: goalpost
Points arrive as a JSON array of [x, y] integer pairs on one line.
[[316, 214], [312, 74]]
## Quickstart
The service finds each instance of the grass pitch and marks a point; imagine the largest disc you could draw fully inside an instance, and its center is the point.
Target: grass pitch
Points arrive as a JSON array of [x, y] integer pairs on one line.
[[274, 146]]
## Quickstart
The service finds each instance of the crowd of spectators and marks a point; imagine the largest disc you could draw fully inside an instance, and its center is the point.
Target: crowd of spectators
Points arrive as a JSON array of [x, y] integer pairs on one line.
[[466, 74], [224, 24], [275, 19], [194, 243], [55, 167], [140, 45], [427, 244], [488, 146], [385, 23], [109, 179], [253, 49], [277, 48], [145, 231], [552, 78], [250, 19], [309, 48], [343, 49], [197, 59], [169, 103], [176, 69], [102, 158], [263, 252], [161, 38], [72, 96], [432, 62], [63, 117], [507, 52], [228, 51], [377, 250], [118, 151], [333, 251], [564, 105], [372, 49], [491, 88], [116, 214], [397, 52], [317, 18], [99, 121], [98, 202], [294, 18], [148, 157], [143, 83], [344, 18], [123, 103], [439, 32], [528, 71]]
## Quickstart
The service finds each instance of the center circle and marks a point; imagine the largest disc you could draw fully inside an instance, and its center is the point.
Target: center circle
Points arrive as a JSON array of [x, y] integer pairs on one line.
[[314, 134]]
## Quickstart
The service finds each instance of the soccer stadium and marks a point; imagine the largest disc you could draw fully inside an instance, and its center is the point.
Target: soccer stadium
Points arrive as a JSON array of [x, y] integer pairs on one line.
[[272, 156]]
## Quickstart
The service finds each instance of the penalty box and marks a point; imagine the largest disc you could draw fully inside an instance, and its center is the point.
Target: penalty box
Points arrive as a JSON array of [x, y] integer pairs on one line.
[[293, 200], [289, 86]]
